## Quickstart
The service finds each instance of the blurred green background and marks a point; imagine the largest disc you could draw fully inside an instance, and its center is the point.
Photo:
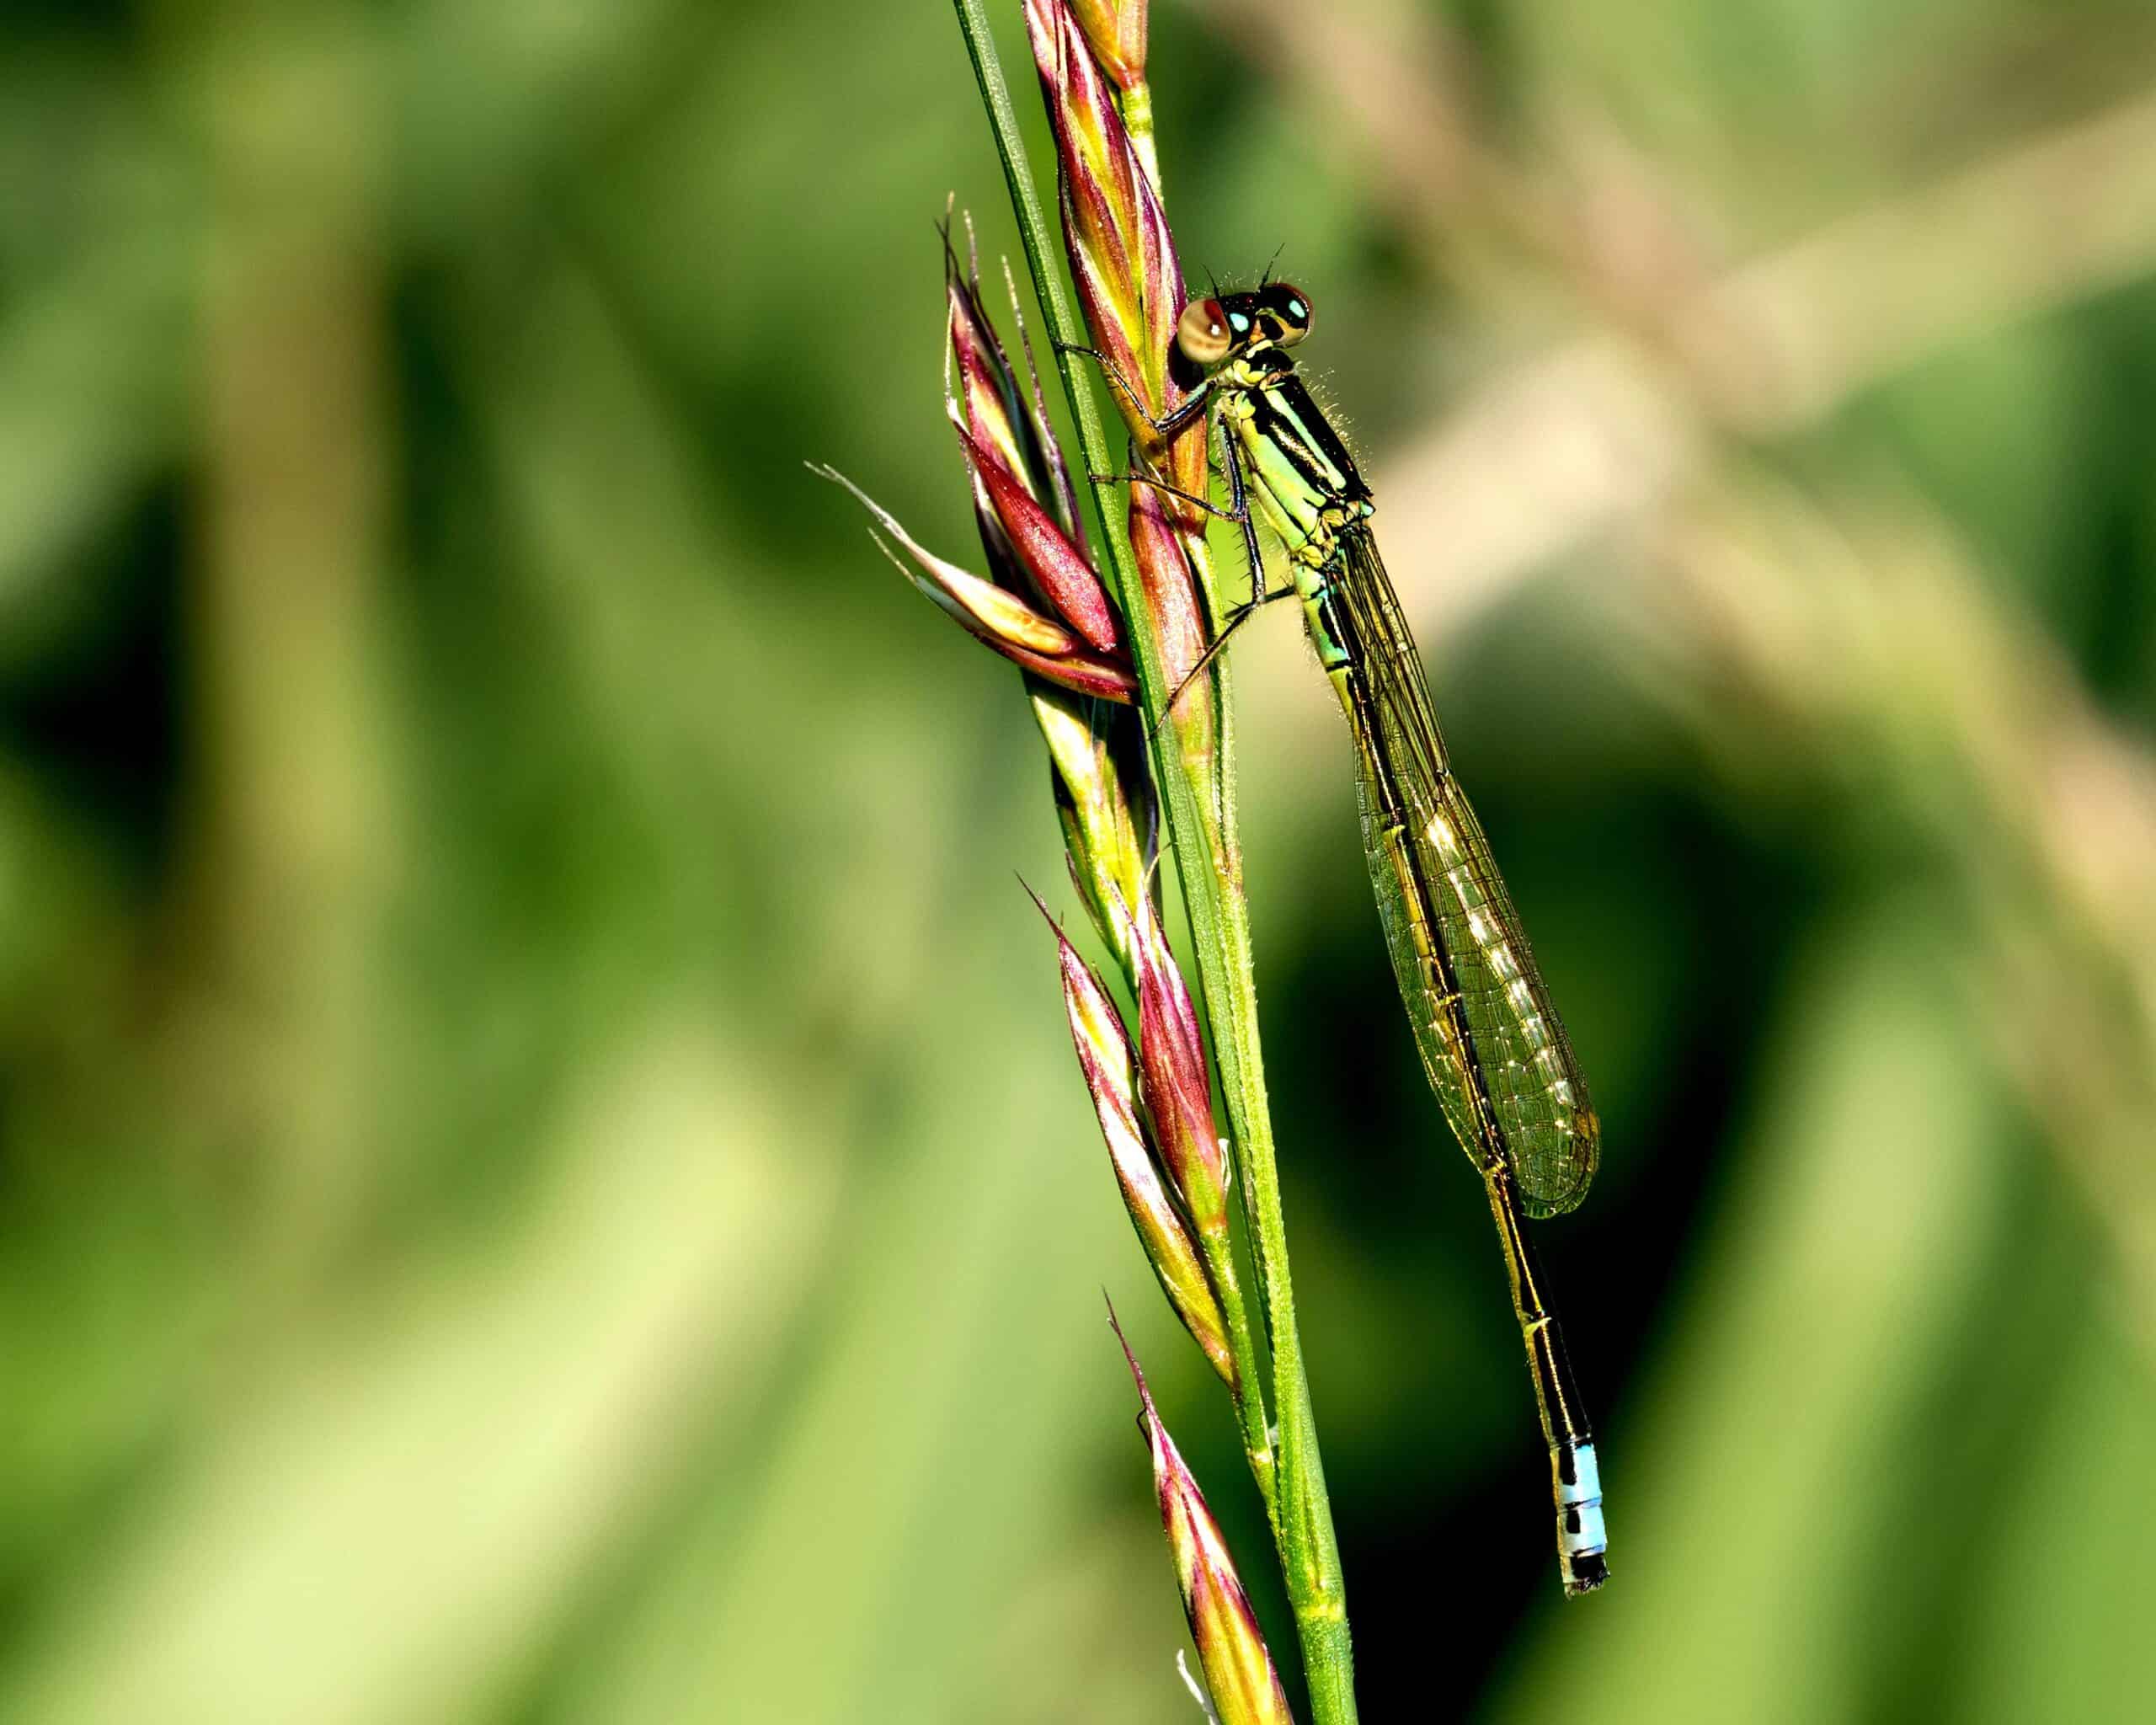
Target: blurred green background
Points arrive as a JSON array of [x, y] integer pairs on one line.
[[543, 1177]]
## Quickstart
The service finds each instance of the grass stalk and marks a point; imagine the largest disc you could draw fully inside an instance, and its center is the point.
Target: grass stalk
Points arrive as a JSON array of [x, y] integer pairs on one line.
[[1214, 901]]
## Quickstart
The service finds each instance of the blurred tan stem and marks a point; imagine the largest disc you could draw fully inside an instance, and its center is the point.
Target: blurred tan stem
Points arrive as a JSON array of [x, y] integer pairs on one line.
[[283, 876]]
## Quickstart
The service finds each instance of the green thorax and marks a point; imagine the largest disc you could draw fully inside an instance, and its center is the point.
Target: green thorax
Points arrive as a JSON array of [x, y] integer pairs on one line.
[[1305, 483]]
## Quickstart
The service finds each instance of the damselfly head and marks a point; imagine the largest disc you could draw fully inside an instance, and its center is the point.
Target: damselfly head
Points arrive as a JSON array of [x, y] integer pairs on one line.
[[1276, 315], [1284, 312]]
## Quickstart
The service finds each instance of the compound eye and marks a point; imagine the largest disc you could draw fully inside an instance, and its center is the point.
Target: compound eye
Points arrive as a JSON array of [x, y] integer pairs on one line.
[[1202, 333], [1293, 307]]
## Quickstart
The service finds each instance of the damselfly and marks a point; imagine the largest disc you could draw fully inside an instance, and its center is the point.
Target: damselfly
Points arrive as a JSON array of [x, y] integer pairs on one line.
[[1491, 1040]]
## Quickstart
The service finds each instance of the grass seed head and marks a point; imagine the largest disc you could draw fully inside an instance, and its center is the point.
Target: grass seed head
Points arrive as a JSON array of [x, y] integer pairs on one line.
[[1014, 524], [1173, 1077], [1106, 1059], [1023, 505], [1129, 282], [1122, 255], [1240, 1676], [1012, 625], [1160, 548], [1105, 800], [1046, 608], [1115, 30]]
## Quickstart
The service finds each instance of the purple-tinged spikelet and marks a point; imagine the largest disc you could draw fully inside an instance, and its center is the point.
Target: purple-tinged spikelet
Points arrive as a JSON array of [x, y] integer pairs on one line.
[[1109, 1065], [1130, 288], [1046, 607], [1240, 1676], [1173, 1077], [1115, 29], [1017, 629]]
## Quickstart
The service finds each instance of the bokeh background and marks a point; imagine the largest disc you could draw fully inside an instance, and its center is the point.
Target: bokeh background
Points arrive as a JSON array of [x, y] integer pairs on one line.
[[542, 1176]]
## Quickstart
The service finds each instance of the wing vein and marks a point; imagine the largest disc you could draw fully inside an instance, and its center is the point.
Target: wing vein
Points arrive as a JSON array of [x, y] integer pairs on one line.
[[1446, 888]]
